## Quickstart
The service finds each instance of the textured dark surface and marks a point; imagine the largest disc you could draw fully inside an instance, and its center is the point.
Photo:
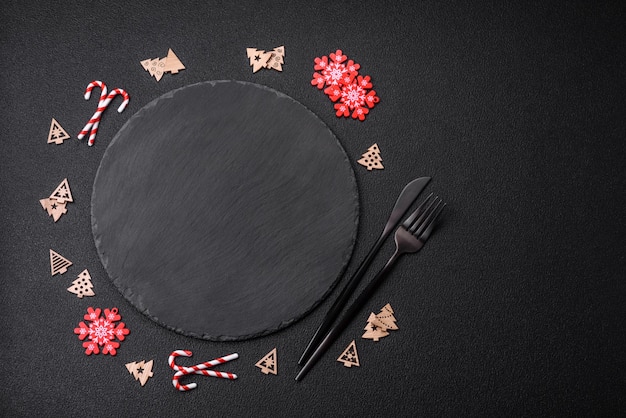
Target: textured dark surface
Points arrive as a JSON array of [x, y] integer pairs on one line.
[[224, 210], [515, 306]]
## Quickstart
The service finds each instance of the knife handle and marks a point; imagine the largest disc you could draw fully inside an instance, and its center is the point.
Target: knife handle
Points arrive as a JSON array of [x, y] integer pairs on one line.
[[341, 301], [352, 311]]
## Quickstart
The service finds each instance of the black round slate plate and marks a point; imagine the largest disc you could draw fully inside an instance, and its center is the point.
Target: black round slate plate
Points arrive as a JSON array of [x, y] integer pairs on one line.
[[224, 210]]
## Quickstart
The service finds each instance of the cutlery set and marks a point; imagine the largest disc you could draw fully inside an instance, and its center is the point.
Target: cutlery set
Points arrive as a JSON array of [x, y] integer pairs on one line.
[[409, 237]]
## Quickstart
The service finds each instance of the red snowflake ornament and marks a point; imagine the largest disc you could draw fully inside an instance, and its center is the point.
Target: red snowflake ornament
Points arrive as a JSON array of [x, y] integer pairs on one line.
[[338, 74], [342, 110], [353, 67], [341, 82], [102, 331], [360, 113], [338, 56], [364, 82], [335, 73], [318, 80], [321, 63]]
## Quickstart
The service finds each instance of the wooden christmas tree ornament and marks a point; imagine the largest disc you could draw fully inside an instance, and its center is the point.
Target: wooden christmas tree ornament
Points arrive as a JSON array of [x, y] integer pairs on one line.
[[372, 159], [172, 63], [386, 318], [378, 325], [268, 363], [159, 66], [141, 371], [276, 60], [349, 357], [272, 60], [55, 203], [56, 134], [62, 193], [258, 58], [53, 207], [58, 263], [156, 68], [82, 286], [280, 50], [374, 330]]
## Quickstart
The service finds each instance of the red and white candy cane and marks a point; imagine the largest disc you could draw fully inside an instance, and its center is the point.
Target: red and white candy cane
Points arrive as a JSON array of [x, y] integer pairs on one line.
[[198, 369], [103, 105], [103, 96]]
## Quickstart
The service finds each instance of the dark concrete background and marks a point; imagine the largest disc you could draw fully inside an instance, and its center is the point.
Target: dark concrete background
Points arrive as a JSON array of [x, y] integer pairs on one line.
[[516, 109]]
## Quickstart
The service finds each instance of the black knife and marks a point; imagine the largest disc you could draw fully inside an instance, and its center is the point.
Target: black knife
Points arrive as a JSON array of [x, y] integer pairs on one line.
[[406, 198]]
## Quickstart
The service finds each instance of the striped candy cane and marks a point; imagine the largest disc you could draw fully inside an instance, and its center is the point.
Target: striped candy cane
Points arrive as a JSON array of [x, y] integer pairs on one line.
[[103, 96], [198, 369], [102, 105], [92, 85]]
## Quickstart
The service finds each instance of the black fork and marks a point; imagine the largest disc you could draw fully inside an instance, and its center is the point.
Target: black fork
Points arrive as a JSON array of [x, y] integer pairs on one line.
[[410, 237]]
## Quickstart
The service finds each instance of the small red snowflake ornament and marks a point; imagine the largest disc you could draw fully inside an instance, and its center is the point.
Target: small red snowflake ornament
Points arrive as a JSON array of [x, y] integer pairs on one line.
[[341, 82], [102, 331]]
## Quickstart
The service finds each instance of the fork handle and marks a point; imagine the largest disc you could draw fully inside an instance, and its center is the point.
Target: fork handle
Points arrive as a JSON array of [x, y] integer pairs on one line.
[[352, 311]]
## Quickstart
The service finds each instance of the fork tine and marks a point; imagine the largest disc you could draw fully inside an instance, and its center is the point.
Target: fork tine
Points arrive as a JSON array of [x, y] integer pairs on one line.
[[409, 221], [423, 232], [425, 213]]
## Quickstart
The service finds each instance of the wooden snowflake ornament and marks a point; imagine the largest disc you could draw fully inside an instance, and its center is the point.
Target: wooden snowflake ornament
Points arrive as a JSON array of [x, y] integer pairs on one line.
[[82, 286], [349, 357], [268, 363], [58, 263], [141, 371], [372, 159], [57, 134]]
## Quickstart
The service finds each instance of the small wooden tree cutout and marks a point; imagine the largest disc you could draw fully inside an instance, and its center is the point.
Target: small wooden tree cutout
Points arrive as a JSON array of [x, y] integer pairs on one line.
[[62, 193], [280, 50], [373, 330], [141, 371], [155, 68], [372, 159], [159, 66], [349, 357], [56, 134], [55, 203], [378, 325], [53, 207], [258, 58], [172, 63], [276, 60], [146, 64], [386, 318], [82, 286], [272, 60], [58, 263], [268, 363]]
